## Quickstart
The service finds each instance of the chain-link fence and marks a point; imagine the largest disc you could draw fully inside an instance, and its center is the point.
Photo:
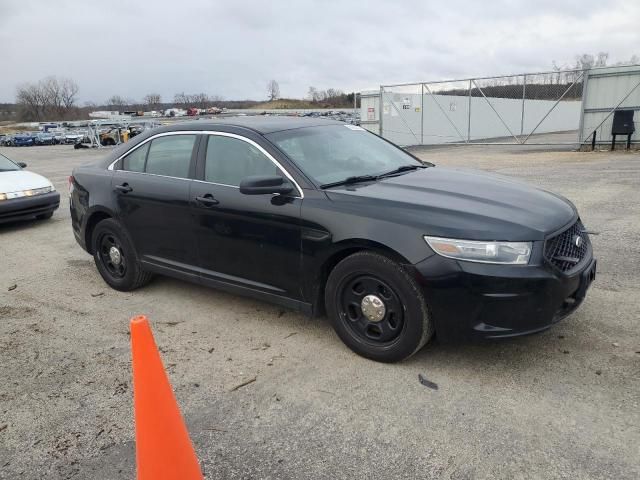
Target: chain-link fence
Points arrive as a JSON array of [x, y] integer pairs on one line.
[[539, 108]]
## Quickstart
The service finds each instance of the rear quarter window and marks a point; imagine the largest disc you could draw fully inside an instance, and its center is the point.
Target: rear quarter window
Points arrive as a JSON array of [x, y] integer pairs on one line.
[[134, 162]]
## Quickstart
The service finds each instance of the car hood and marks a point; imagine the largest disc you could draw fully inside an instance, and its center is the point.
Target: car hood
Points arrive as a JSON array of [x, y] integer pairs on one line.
[[18, 180], [462, 204]]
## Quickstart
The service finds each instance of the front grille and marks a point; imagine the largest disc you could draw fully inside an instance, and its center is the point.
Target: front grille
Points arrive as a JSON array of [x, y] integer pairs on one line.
[[563, 252]]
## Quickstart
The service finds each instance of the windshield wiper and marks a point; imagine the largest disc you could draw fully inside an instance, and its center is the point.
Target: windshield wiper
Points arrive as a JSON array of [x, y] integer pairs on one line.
[[402, 168], [373, 178], [350, 180]]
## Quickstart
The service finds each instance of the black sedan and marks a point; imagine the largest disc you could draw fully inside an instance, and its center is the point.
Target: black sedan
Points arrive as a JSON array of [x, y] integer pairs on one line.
[[325, 217]]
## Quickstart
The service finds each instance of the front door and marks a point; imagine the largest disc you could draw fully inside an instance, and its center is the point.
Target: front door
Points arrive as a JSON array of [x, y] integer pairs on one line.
[[248, 240], [152, 187]]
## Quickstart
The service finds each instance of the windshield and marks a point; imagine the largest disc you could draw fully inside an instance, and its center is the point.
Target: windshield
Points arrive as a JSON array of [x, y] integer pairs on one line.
[[333, 153], [7, 165]]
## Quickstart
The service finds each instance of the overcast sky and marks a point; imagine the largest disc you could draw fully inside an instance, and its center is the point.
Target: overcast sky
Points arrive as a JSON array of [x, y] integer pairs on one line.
[[232, 48]]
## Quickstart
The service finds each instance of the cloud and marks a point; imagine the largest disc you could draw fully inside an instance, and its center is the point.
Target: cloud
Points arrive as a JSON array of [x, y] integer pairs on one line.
[[233, 48]]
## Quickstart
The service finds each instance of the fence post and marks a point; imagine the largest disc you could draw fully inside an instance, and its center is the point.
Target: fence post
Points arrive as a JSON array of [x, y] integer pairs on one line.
[[469, 115], [381, 111], [585, 82], [524, 91], [422, 114], [355, 103]]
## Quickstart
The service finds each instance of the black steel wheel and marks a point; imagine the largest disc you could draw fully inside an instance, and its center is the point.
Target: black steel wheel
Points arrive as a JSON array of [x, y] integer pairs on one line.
[[371, 309], [111, 255], [116, 258], [376, 308]]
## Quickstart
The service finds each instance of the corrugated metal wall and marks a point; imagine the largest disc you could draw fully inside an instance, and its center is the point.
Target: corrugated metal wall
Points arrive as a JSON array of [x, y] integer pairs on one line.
[[606, 89]]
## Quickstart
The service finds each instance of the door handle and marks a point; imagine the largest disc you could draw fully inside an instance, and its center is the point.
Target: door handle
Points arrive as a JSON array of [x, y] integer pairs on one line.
[[124, 188], [207, 200]]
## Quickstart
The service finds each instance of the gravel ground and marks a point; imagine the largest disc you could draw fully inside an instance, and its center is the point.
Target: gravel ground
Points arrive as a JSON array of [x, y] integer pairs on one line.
[[561, 404]]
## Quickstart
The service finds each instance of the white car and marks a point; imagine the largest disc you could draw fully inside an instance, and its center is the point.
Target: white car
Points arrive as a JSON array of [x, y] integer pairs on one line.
[[24, 194]]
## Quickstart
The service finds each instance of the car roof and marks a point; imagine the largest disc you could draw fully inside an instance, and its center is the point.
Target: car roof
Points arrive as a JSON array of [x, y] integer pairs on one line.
[[260, 123]]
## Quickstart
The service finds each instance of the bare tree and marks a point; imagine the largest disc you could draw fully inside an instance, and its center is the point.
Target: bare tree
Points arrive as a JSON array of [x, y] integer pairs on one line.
[[68, 92], [50, 98], [181, 99], [601, 59], [584, 61], [313, 94], [152, 100], [116, 101], [200, 100], [273, 90]]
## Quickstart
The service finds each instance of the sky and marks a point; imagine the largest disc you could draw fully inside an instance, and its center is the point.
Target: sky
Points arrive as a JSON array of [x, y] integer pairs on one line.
[[233, 48]]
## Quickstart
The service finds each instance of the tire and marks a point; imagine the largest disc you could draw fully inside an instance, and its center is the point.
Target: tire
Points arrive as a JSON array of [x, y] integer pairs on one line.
[[399, 329], [45, 216], [126, 275]]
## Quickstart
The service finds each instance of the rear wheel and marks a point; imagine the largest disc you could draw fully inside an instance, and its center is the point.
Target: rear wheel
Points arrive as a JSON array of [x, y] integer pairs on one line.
[[376, 308], [116, 258]]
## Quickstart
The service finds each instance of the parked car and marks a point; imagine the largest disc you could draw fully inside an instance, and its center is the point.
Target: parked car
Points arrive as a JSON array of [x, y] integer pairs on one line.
[[44, 138], [321, 216], [24, 139], [73, 137], [24, 194], [58, 137]]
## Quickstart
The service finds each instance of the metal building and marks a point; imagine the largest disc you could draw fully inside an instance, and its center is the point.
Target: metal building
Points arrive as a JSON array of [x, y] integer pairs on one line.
[[607, 90]]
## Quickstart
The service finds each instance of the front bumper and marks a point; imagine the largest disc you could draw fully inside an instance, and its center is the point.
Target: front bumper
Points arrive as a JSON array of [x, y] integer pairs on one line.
[[474, 300], [27, 207]]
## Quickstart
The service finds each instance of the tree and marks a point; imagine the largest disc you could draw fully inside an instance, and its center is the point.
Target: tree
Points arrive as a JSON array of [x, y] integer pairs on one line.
[[116, 101], [601, 59], [273, 90], [51, 98], [181, 99], [68, 92], [313, 94], [152, 100], [200, 100]]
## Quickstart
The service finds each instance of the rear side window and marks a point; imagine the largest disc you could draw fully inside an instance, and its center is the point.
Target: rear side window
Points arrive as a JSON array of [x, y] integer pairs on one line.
[[171, 155], [134, 162], [229, 160]]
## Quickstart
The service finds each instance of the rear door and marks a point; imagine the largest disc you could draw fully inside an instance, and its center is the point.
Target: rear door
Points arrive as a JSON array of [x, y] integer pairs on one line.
[[152, 187], [247, 240]]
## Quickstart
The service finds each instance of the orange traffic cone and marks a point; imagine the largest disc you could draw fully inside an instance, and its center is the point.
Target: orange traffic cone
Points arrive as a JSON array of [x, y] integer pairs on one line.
[[163, 448]]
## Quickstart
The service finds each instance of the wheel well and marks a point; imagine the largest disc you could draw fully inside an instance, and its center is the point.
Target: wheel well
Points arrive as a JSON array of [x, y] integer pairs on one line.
[[337, 257], [94, 219]]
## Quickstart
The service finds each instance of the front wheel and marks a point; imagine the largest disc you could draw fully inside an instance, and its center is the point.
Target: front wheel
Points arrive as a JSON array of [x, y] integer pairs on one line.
[[376, 308], [116, 258]]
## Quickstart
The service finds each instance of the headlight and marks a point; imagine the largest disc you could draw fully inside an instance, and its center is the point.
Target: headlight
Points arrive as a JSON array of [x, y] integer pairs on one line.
[[511, 253], [26, 193], [37, 191]]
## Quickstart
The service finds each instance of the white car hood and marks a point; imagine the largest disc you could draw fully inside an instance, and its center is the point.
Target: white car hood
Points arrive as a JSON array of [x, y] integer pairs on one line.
[[18, 180]]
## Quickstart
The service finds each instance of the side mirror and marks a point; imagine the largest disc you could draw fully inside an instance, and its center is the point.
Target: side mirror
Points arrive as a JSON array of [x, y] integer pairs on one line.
[[265, 184], [22, 165]]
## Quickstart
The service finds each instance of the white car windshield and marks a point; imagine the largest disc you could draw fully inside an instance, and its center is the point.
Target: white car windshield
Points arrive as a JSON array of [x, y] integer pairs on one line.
[[7, 165]]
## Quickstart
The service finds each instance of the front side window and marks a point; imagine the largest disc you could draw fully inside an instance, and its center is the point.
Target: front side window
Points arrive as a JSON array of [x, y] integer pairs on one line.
[[170, 155], [229, 160]]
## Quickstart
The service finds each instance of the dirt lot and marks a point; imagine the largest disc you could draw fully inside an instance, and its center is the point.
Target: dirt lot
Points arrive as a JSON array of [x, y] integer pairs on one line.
[[562, 404]]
